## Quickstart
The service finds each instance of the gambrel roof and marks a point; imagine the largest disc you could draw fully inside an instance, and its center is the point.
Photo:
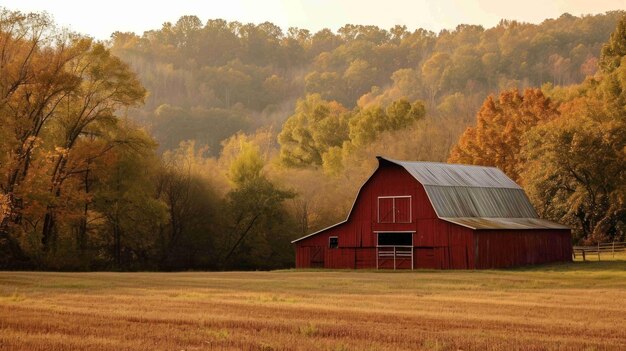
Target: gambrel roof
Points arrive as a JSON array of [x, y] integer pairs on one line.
[[476, 197]]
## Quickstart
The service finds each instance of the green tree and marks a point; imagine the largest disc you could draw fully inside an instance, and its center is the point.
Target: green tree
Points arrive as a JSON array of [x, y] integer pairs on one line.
[[615, 49], [370, 122], [316, 126], [259, 227], [189, 236], [122, 189]]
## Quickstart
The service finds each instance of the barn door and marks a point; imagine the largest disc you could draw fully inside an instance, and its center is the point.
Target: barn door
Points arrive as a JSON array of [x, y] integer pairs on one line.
[[317, 257], [394, 250]]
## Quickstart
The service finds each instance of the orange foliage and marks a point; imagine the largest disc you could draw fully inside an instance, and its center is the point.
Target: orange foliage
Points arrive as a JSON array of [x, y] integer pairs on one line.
[[497, 138]]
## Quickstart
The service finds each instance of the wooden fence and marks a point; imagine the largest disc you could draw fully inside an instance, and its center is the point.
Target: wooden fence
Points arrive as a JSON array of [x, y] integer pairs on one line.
[[600, 248]]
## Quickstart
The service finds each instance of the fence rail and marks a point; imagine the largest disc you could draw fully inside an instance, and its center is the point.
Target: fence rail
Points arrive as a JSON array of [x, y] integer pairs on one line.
[[600, 248], [393, 252]]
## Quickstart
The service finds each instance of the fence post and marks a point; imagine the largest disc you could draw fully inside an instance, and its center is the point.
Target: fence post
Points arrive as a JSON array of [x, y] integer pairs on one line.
[[613, 248], [598, 251]]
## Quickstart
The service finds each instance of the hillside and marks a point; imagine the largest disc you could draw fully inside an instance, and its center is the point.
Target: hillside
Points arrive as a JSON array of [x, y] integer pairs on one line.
[[207, 81]]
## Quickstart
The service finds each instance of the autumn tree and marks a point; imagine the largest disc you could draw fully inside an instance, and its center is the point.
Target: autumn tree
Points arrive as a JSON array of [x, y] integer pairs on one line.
[[106, 85], [497, 138], [121, 205], [60, 97], [435, 72], [34, 82], [575, 172]]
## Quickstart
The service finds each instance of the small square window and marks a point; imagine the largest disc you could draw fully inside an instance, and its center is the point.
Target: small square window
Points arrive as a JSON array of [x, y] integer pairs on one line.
[[333, 242]]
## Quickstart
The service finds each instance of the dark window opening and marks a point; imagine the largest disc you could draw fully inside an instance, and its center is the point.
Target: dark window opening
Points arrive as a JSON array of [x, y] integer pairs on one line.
[[333, 242], [395, 239]]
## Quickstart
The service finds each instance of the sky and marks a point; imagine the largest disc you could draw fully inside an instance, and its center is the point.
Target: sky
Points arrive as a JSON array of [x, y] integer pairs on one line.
[[101, 18]]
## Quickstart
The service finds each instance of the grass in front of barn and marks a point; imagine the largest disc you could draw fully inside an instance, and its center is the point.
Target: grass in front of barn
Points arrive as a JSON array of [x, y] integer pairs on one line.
[[570, 306]]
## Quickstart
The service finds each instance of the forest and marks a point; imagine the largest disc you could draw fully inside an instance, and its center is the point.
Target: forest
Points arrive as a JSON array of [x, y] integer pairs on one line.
[[213, 145]]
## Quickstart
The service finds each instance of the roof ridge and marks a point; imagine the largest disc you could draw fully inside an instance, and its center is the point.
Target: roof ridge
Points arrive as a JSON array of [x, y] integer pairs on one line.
[[517, 187], [436, 162]]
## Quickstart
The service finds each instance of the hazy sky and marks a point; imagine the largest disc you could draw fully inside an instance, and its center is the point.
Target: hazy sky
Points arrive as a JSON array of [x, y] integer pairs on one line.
[[101, 18]]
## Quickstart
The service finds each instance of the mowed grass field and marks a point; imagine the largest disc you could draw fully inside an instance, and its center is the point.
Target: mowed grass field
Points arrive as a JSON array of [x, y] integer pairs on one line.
[[577, 306]]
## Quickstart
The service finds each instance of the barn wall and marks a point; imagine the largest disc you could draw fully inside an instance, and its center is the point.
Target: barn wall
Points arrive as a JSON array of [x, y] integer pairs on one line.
[[510, 248], [443, 245], [313, 252]]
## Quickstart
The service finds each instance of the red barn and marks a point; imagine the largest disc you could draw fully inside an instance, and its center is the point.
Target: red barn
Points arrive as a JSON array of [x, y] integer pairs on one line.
[[436, 215]]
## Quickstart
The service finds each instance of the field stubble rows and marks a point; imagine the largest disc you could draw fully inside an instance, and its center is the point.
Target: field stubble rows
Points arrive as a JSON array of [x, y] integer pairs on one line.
[[561, 307]]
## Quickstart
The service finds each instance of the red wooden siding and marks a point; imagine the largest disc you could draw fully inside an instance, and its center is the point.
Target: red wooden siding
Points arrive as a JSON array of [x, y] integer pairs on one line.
[[509, 248]]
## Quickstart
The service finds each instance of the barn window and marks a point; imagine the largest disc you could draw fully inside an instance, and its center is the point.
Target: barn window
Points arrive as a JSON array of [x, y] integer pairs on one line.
[[395, 239], [394, 209], [333, 242]]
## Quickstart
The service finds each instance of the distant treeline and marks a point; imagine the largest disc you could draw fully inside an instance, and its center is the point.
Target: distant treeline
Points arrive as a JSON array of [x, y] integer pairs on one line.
[[211, 146], [207, 81]]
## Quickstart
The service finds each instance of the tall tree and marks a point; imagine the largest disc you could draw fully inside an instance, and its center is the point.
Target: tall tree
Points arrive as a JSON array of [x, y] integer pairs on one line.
[[33, 83], [106, 86], [259, 226], [497, 138], [186, 238], [576, 171]]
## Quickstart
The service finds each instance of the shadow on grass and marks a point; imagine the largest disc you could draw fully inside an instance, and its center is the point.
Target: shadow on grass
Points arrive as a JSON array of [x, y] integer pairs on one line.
[[579, 266]]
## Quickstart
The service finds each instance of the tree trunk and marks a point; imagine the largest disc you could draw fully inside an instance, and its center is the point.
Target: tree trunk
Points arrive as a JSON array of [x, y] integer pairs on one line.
[[47, 234], [11, 254], [82, 230], [117, 244]]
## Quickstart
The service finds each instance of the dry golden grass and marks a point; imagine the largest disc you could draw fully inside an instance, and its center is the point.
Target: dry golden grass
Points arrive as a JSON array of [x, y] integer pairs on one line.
[[578, 306]]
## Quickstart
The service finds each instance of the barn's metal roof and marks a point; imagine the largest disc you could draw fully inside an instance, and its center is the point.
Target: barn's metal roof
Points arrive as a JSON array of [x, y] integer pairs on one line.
[[469, 191], [504, 223], [477, 197], [445, 174]]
